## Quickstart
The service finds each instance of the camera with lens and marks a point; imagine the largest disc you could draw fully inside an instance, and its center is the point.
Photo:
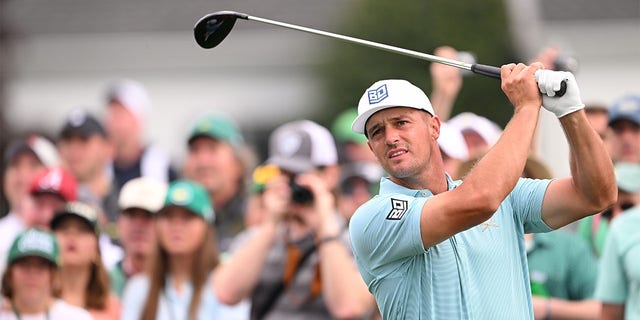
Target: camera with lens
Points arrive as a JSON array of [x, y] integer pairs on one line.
[[300, 194]]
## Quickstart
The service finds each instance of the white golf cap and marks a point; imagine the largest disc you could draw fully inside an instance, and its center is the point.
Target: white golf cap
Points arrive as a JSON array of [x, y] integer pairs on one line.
[[389, 94], [131, 94], [452, 142], [468, 121], [142, 193], [302, 145]]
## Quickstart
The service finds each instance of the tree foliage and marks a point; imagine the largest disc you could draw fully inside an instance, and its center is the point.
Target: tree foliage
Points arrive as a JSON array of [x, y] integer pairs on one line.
[[480, 27]]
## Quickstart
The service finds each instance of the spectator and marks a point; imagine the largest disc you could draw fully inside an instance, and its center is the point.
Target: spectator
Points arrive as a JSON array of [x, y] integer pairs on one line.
[[359, 181], [598, 116], [218, 160], [139, 200], [86, 151], [624, 120], [562, 268], [29, 283], [128, 104], [23, 160], [446, 82], [453, 148], [618, 285], [479, 133], [595, 228], [84, 278], [178, 282], [429, 247], [51, 190], [296, 263], [352, 147]]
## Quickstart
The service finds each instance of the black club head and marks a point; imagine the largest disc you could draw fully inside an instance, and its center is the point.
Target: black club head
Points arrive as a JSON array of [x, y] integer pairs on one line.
[[211, 29]]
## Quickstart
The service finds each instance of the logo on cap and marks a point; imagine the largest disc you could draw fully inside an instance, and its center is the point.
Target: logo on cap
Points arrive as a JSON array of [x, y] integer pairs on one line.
[[378, 94], [181, 196], [36, 241]]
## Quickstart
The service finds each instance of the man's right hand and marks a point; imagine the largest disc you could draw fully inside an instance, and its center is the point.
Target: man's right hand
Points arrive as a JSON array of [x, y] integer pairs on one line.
[[519, 84]]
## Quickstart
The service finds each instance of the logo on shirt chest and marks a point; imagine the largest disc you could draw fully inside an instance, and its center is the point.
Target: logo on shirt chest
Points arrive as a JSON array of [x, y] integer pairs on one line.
[[487, 224], [398, 209]]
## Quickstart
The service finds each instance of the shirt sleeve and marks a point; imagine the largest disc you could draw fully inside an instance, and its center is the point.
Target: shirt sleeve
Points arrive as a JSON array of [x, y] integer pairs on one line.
[[386, 230], [526, 200], [612, 282]]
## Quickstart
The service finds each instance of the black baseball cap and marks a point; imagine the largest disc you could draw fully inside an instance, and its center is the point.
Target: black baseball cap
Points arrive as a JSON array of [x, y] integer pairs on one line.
[[80, 123]]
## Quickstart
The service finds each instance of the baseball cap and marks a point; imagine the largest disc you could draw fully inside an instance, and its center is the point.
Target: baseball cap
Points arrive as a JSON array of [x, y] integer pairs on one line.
[[628, 176], [77, 209], [80, 123], [131, 94], [142, 193], [35, 243], [217, 127], [341, 127], [625, 108], [55, 181], [192, 196], [452, 142], [301, 146], [388, 94], [469, 121], [39, 146]]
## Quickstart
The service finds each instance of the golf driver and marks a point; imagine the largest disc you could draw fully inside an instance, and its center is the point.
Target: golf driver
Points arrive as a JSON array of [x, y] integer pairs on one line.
[[213, 28]]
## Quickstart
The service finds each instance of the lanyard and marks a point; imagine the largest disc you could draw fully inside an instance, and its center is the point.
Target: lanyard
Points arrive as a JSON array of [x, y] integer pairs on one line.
[[15, 312]]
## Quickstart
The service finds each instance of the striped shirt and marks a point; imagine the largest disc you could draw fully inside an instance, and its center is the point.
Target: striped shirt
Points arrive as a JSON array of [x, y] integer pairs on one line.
[[480, 273]]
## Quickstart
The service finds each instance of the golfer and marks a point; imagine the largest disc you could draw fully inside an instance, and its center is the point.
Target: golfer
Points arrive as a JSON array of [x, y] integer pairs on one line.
[[432, 248]]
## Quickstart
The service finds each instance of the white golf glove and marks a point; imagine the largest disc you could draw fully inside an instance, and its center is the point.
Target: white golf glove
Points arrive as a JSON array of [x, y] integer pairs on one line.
[[549, 82]]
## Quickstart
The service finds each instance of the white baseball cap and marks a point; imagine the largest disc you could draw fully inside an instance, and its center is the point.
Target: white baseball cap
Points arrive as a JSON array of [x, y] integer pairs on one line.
[[300, 146], [469, 121], [131, 94], [142, 193], [389, 94], [452, 142]]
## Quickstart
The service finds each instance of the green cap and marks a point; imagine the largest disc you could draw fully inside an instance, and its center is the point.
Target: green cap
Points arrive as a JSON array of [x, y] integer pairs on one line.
[[35, 243], [77, 209], [628, 176], [192, 196], [341, 127], [217, 127]]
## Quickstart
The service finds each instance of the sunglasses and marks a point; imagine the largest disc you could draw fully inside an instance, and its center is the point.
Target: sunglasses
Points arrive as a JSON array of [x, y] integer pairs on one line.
[[623, 207]]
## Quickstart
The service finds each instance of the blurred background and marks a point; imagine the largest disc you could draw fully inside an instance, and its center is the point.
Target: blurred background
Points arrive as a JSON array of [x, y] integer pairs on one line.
[[59, 55]]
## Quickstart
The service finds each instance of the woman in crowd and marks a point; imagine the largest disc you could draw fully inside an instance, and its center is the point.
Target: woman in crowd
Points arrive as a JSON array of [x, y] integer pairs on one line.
[[84, 279], [178, 282], [28, 290]]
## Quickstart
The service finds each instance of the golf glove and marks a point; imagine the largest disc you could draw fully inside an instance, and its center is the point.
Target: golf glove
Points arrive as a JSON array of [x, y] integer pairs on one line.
[[549, 83]]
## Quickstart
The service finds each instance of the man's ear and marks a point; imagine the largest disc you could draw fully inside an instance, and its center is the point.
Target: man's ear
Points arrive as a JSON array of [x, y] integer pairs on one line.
[[435, 127]]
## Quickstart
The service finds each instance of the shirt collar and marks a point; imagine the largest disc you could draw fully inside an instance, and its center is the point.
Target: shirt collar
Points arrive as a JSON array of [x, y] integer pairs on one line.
[[388, 186]]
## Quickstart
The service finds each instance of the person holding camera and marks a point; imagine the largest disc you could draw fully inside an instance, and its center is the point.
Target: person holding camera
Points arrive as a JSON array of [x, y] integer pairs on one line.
[[297, 262]]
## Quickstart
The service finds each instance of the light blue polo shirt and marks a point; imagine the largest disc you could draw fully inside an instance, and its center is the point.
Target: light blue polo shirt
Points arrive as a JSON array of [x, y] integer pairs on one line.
[[480, 273]]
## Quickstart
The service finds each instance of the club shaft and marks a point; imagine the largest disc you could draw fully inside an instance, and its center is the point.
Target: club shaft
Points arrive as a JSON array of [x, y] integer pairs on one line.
[[385, 47]]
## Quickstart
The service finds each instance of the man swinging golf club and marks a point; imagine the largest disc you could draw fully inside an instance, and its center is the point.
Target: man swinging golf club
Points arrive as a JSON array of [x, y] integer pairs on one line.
[[432, 248]]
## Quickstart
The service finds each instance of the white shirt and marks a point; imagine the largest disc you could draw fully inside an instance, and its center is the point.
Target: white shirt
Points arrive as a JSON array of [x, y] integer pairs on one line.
[[60, 310], [10, 226]]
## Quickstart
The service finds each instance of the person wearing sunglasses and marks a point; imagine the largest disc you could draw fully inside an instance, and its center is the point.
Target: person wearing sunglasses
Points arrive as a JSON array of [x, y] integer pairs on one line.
[[595, 228]]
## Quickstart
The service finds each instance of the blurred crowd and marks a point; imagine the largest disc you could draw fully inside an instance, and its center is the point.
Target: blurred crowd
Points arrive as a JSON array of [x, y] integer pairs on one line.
[[101, 224]]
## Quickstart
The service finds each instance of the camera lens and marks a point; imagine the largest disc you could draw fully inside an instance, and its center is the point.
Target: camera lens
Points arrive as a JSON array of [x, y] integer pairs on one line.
[[299, 194]]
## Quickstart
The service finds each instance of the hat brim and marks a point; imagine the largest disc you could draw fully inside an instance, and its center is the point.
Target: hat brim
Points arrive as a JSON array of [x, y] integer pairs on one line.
[[58, 218], [360, 122], [291, 164], [38, 254]]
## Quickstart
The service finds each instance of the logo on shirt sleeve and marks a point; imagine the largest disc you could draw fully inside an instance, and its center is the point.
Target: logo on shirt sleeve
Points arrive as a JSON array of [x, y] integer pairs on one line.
[[398, 209]]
